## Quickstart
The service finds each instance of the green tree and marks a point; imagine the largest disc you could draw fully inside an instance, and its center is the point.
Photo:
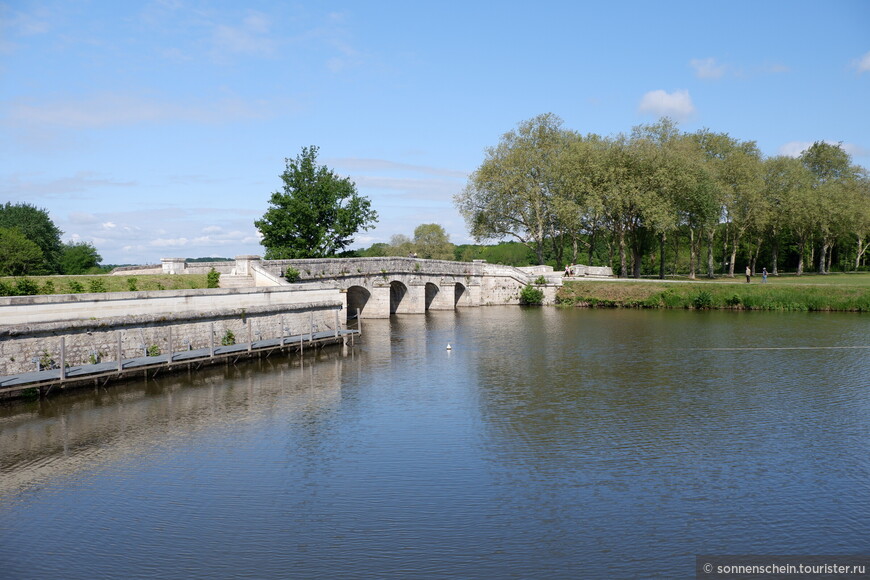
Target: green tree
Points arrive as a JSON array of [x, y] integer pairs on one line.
[[18, 255], [511, 193], [400, 245], [78, 258], [316, 215], [37, 227], [833, 172], [432, 242]]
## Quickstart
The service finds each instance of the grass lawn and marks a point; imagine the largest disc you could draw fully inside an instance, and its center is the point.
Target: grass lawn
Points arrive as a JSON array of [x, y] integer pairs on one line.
[[834, 292], [107, 283]]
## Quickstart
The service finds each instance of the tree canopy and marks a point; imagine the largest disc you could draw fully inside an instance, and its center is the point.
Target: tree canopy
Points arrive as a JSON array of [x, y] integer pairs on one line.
[[317, 213], [432, 242], [19, 255], [622, 197], [79, 258], [35, 225]]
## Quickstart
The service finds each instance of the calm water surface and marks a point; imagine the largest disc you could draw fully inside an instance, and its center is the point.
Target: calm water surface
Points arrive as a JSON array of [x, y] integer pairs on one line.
[[547, 444]]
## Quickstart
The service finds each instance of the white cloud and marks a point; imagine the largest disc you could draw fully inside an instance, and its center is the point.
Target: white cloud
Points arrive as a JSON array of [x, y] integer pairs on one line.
[[30, 186], [863, 63], [169, 243], [83, 218], [677, 105], [114, 109], [251, 37], [795, 148], [707, 68], [212, 229], [109, 225]]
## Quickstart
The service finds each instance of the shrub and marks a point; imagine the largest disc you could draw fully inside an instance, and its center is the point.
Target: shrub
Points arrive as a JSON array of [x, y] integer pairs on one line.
[[531, 295], [213, 279], [702, 300], [26, 287], [47, 288], [75, 287], [45, 361], [152, 350], [6, 289], [97, 285], [541, 279], [132, 284], [228, 338], [291, 275], [733, 301]]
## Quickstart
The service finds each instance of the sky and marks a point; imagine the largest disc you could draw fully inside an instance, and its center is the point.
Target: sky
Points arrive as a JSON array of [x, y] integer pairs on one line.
[[160, 128]]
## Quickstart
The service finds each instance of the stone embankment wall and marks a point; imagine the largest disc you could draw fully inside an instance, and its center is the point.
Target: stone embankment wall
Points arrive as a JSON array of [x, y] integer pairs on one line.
[[93, 324]]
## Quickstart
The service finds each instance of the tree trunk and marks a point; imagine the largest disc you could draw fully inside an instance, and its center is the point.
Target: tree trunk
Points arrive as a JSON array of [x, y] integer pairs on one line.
[[693, 253], [774, 256], [861, 249], [711, 266], [830, 257], [801, 250], [662, 239], [539, 251], [755, 254], [636, 256], [731, 261], [822, 254], [623, 266]]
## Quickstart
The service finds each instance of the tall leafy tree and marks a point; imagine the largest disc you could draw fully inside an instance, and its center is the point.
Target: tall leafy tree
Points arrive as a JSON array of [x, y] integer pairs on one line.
[[317, 213], [432, 242], [833, 171], [78, 258], [511, 193], [18, 255], [36, 225]]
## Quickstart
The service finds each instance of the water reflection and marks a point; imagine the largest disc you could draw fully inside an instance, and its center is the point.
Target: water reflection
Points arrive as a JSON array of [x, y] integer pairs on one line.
[[59, 435], [546, 443]]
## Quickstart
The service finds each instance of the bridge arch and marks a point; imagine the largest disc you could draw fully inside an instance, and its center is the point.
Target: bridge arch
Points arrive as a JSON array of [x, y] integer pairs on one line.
[[357, 298], [432, 291], [460, 293], [398, 290]]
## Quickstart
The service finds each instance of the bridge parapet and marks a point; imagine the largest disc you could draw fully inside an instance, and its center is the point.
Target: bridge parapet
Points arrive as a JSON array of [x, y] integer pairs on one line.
[[316, 269]]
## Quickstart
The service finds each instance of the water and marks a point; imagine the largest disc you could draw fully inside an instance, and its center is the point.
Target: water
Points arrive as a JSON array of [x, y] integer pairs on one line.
[[547, 444]]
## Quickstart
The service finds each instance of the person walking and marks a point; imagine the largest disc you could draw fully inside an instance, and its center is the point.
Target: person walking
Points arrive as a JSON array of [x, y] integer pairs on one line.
[[748, 274], [764, 275]]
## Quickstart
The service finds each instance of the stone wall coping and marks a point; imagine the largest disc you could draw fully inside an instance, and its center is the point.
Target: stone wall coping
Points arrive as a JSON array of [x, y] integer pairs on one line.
[[138, 320], [117, 296]]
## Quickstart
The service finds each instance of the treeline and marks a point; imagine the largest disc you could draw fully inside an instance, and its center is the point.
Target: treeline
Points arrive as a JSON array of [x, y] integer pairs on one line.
[[664, 201], [431, 241], [30, 245]]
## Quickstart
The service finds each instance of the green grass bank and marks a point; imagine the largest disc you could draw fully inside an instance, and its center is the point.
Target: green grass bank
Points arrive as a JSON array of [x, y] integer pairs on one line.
[[841, 293], [10, 286]]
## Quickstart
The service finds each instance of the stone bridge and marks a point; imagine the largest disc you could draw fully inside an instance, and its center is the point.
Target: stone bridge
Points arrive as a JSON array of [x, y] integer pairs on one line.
[[381, 287]]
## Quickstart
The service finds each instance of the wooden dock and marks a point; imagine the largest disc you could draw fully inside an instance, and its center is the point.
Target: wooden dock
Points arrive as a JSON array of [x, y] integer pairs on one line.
[[103, 372]]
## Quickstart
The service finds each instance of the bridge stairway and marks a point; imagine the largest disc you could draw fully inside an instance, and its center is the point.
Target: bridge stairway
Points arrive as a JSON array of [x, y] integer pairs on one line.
[[228, 281]]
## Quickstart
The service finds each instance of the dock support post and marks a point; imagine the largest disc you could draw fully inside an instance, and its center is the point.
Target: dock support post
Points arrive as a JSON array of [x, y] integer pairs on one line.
[[120, 360], [62, 358], [250, 338], [170, 347], [336, 324], [212, 340]]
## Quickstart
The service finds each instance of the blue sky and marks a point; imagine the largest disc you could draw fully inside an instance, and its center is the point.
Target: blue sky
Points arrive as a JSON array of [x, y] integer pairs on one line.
[[159, 128]]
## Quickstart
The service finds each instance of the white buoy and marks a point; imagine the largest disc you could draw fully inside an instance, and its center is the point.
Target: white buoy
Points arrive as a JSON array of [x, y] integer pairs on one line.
[[449, 347]]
